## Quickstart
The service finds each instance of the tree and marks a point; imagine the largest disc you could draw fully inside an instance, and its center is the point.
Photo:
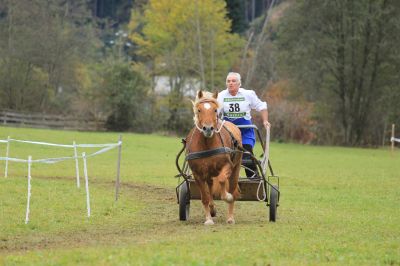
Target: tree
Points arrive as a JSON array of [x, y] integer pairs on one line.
[[124, 91], [41, 43], [184, 40], [343, 54], [237, 15]]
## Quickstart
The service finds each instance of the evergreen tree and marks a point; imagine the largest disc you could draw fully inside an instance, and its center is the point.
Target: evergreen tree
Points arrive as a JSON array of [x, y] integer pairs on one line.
[[236, 13]]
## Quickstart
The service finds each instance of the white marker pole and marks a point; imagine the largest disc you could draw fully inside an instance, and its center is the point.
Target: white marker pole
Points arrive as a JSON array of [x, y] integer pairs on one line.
[[29, 190], [392, 139], [86, 184], [78, 183], [7, 153], [264, 163], [117, 181]]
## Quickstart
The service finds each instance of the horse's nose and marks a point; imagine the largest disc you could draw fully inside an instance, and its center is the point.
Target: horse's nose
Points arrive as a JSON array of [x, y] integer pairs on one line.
[[208, 128], [208, 131]]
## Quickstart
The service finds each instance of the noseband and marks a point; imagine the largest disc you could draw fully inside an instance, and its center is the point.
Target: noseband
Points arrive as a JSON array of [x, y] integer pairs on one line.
[[216, 131]]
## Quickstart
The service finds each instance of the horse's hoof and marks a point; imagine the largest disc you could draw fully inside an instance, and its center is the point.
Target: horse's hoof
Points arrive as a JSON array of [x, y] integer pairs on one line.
[[209, 222], [229, 197], [230, 221]]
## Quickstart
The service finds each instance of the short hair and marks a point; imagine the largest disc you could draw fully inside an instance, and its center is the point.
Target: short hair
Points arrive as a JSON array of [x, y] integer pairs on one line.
[[237, 75]]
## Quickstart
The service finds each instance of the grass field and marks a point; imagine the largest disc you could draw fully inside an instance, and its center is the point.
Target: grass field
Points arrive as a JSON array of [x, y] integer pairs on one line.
[[338, 206]]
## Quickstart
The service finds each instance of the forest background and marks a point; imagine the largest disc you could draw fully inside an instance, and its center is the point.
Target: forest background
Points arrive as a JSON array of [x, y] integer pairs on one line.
[[328, 69]]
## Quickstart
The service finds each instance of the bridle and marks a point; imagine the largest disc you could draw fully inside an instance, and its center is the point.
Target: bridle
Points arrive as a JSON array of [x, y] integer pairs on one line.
[[216, 131], [217, 119], [207, 153]]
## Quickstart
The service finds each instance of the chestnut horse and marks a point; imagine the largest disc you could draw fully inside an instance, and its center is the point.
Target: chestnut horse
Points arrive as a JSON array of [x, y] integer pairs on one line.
[[213, 157]]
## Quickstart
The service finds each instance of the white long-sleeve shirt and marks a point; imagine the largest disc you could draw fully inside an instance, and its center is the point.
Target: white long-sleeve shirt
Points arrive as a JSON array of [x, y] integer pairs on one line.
[[240, 105]]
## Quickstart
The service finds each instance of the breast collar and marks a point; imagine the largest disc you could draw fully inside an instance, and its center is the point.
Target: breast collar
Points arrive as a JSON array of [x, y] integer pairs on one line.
[[213, 152]]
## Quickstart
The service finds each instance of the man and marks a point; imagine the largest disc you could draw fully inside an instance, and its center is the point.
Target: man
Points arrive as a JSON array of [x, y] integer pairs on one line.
[[236, 104]]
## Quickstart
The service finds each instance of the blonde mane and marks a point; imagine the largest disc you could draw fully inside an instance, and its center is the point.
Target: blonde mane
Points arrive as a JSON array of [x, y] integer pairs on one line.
[[206, 97]]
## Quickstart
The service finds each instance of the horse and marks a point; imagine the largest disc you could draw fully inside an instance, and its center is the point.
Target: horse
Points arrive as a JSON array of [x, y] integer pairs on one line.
[[213, 155]]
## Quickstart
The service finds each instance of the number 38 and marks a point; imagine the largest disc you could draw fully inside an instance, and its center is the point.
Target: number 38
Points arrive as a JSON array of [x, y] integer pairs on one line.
[[234, 107]]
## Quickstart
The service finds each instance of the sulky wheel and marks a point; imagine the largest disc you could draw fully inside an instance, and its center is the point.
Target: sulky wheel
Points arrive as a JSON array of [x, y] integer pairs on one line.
[[273, 203], [184, 202]]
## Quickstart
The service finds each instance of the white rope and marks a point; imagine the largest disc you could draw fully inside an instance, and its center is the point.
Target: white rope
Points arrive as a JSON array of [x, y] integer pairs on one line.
[[86, 184], [223, 122], [394, 139], [60, 145], [264, 162], [13, 160], [41, 143], [216, 131], [201, 130], [261, 184], [29, 190], [53, 160], [106, 148], [98, 145]]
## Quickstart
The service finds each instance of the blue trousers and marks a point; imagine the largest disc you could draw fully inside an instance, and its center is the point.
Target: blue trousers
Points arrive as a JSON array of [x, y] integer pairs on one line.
[[248, 135]]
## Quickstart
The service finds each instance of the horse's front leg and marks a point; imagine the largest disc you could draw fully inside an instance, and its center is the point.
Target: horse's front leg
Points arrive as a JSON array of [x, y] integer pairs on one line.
[[213, 209], [230, 219], [225, 186], [205, 199], [222, 179], [233, 188]]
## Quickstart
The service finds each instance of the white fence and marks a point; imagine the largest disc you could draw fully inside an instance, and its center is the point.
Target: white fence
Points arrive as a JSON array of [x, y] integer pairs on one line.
[[75, 157]]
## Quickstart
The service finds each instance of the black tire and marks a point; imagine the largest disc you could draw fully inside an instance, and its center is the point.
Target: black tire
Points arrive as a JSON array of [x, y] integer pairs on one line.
[[273, 203], [184, 202]]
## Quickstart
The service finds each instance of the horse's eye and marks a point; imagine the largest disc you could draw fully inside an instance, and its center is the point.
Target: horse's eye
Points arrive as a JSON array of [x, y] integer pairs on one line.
[[198, 110], [215, 110]]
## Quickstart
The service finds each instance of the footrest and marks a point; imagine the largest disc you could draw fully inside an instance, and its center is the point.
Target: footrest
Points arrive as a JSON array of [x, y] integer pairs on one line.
[[248, 162]]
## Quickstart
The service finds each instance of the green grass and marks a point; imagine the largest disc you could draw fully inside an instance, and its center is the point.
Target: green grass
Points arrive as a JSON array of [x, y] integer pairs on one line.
[[338, 206]]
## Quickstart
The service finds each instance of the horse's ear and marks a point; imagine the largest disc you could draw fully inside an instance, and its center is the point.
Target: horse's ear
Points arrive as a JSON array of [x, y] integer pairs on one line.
[[215, 94], [199, 94]]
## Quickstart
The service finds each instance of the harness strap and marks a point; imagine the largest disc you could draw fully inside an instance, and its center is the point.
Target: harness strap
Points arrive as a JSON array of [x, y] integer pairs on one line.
[[208, 153], [235, 142]]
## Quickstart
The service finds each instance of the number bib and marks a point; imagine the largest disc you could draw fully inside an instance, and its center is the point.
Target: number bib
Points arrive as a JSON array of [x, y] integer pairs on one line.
[[235, 107]]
